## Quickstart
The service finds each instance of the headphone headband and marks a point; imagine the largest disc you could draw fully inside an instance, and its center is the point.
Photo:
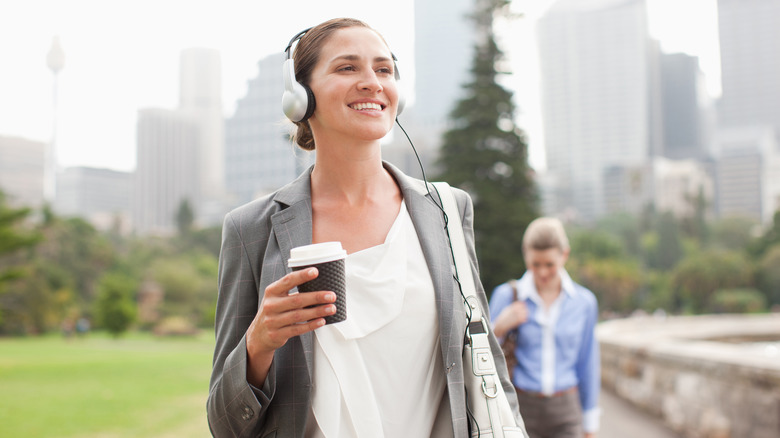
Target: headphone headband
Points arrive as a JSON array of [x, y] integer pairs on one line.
[[298, 100], [297, 36]]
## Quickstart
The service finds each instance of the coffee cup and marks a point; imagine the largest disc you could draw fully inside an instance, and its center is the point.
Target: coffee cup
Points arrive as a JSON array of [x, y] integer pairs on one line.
[[329, 259]]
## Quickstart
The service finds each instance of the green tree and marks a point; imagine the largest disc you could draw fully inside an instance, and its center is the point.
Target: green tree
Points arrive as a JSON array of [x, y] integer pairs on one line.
[[697, 278], [185, 217], [486, 154], [188, 282], [615, 282], [595, 244], [14, 236], [732, 232], [664, 248], [115, 307], [695, 225], [770, 238], [769, 275]]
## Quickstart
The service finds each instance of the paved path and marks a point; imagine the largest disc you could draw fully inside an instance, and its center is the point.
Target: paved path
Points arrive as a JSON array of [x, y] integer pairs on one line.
[[621, 419]]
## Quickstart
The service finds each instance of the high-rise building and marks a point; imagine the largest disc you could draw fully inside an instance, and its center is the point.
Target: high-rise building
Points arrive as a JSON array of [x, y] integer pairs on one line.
[[21, 170], [101, 196], [750, 63], [688, 115], [600, 98], [444, 40], [747, 165], [166, 175], [669, 185], [180, 152], [259, 155], [748, 173], [200, 95]]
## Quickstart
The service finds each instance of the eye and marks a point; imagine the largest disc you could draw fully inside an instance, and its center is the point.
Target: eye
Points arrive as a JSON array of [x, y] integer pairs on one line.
[[346, 68]]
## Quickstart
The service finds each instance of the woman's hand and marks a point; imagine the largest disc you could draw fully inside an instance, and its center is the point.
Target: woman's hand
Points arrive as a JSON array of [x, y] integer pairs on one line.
[[512, 316], [282, 316]]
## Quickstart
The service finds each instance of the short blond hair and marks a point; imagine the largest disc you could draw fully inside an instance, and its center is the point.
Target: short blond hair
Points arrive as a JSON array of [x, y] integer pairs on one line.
[[545, 233]]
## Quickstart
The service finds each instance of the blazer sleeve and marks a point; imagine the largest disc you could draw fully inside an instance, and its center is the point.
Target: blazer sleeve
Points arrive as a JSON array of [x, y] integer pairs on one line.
[[467, 218], [234, 407]]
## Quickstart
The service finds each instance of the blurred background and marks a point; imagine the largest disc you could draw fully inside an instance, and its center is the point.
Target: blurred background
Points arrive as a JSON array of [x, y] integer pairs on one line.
[[129, 129]]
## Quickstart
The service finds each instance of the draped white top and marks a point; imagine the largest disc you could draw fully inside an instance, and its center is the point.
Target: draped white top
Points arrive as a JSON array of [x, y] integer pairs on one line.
[[379, 373]]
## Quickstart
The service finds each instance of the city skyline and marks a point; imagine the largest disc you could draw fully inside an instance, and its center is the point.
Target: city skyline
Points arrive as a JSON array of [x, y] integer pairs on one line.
[[138, 56]]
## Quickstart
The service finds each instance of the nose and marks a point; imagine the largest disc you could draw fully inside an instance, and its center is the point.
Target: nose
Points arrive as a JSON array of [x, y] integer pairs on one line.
[[369, 81]]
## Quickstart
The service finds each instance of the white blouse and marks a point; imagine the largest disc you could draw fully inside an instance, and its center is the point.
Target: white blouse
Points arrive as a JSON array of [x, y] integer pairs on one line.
[[379, 373]]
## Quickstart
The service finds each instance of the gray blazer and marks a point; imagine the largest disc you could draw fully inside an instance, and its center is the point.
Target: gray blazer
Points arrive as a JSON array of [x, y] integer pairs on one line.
[[256, 242]]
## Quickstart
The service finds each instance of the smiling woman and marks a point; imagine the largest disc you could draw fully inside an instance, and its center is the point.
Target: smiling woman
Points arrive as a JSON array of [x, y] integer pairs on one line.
[[277, 367]]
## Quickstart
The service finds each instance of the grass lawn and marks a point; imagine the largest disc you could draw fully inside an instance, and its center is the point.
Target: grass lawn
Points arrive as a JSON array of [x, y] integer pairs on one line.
[[100, 387]]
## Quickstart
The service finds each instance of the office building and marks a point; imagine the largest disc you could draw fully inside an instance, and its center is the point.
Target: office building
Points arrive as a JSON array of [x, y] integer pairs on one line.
[[100, 196], [166, 174], [259, 155], [667, 185], [750, 63], [21, 171], [444, 40], [747, 165], [600, 96], [180, 152], [688, 111]]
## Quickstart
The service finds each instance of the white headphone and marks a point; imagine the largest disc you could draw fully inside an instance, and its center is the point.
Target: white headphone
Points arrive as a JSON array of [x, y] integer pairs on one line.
[[298, 101]]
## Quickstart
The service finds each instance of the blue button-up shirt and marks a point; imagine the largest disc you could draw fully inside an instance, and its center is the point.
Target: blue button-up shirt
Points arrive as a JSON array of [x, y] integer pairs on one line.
[[557, 347]]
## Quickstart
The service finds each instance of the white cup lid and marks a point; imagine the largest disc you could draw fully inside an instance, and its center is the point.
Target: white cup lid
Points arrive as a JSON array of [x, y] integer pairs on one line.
[[316, 253]]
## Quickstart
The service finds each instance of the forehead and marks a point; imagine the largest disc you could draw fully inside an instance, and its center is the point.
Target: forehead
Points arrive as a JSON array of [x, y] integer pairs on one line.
[[541, 255], [355, 40]]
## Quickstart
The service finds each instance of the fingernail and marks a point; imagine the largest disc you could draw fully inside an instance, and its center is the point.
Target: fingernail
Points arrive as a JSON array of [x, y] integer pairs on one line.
[[312, 272], [330, 297]]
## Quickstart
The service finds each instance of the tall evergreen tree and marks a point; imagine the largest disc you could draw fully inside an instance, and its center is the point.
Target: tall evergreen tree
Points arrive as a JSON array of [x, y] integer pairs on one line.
[[486, 154]]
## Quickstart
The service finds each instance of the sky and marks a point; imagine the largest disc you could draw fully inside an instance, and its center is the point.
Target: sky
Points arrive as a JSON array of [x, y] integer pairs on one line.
[[121, 56]]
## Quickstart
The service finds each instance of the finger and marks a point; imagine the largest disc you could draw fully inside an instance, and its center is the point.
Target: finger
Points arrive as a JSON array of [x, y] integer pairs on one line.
[[299, 329], [282, 286], [300, 315]]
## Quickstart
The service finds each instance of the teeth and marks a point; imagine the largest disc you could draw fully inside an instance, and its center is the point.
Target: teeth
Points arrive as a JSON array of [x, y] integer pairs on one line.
[[366, 106]]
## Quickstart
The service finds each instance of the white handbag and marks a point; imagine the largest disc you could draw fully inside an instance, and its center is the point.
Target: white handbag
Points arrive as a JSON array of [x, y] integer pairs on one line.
[[486, 399]]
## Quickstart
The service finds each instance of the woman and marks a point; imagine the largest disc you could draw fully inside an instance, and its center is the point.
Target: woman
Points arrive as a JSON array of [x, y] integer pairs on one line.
[[557, 373], [394, 367]]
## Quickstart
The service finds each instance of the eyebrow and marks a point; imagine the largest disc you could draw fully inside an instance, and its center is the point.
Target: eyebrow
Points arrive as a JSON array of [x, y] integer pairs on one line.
[[356, 58]]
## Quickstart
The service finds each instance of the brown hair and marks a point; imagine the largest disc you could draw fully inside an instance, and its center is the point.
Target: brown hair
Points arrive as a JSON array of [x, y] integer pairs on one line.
[[306, 56], [544, 233]]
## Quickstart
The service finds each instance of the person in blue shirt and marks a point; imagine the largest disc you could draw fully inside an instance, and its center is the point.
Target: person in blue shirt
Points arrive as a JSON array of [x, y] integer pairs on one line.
[[557, 375]]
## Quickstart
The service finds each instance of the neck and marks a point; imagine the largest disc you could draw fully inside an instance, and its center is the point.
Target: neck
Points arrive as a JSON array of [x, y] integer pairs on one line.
[[349, 177], [553, 289]]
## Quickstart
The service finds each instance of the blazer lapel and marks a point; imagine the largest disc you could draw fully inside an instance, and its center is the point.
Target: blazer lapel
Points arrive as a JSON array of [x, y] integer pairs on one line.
[[292, 227], [429, 223]]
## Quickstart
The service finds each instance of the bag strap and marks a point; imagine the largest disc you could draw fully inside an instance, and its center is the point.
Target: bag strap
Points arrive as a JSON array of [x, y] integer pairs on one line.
[[458, 241], [492, 414]]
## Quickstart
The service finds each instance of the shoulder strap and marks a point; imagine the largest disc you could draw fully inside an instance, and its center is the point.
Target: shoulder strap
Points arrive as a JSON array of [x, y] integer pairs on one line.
[[460, 254]]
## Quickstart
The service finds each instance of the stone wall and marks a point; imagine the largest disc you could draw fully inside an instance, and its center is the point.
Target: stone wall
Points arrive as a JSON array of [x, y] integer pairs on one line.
[[680, 370]]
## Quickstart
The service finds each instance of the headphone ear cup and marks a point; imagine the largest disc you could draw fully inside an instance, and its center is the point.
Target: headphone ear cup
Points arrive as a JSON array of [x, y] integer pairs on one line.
[[297, 100], [401, 98], [399, 86]]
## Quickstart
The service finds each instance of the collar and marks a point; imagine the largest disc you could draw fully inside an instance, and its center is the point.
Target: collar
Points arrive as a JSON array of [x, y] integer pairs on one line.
[[300, 189], [526, 287]]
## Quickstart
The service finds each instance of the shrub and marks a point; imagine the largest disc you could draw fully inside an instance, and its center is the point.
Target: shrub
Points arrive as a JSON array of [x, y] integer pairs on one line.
[[738, 301]]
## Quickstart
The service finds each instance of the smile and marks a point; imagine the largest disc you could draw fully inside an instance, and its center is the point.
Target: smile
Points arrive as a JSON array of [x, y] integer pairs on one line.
[[366, 106]]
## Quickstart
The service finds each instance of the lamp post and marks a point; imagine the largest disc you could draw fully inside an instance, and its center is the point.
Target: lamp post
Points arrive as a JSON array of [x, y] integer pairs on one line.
[[55, 59]]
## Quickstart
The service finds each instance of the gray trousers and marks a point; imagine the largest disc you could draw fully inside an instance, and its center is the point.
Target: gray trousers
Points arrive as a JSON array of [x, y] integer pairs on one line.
[[559, 416]]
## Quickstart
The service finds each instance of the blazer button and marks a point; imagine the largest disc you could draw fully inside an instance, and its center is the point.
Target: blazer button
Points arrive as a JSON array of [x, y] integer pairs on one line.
[[248, 413]]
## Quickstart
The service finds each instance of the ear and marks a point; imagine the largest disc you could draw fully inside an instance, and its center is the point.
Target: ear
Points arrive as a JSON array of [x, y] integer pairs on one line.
[[565, 253]]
